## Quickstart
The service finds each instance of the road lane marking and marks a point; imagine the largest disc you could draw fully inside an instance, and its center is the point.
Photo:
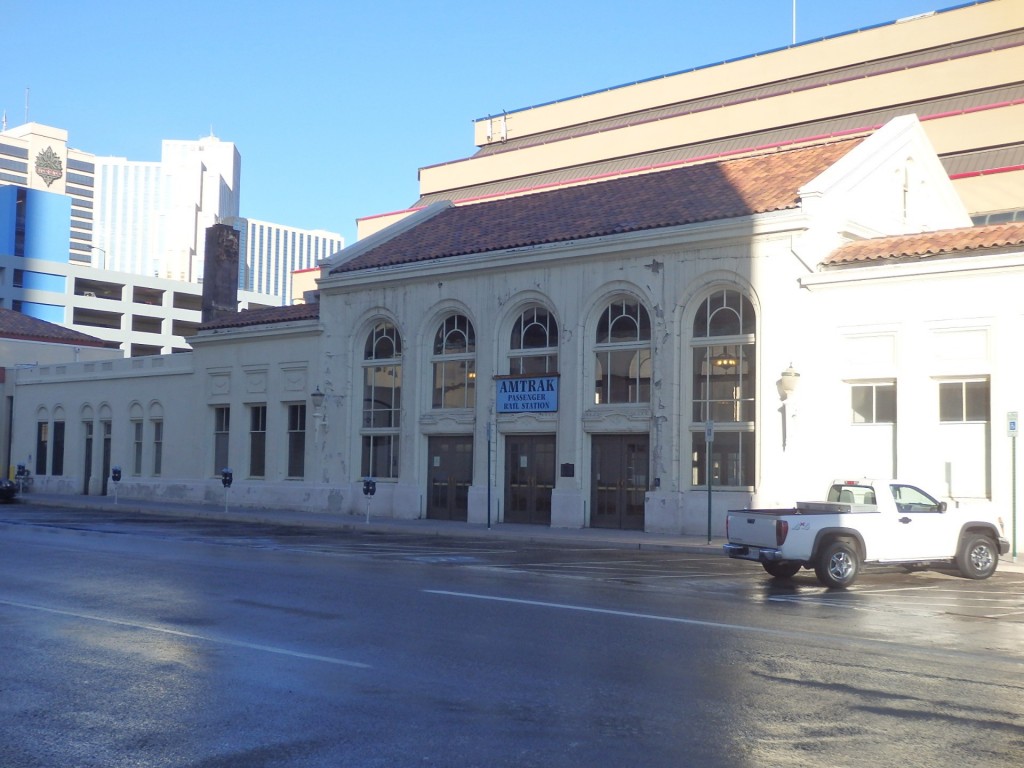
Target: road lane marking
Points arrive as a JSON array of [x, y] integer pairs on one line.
[[624, 614], [188, 635]]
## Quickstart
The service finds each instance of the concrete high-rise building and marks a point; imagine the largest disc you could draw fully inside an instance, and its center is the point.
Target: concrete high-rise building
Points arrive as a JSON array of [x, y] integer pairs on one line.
[[151, 216], [270, 253], [115, 248], [37, 157]]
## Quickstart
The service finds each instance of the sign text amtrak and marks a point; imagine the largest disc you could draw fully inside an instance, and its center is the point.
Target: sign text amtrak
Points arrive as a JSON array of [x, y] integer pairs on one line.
[[534, 394]]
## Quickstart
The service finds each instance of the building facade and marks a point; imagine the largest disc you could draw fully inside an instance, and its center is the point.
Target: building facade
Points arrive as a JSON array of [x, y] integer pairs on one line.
[[556, 359], [644, 350]]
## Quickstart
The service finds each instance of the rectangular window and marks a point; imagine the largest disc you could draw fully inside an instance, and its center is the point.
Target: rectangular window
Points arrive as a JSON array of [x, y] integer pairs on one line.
[[58, 448], [42, 445], [297, 440], [158, 448], [380, 456], [873, 403], [221, 431], [964, 437], [136, 448], [723, 383], [382, 396], [961, 401], [732, 460], [257, 441]]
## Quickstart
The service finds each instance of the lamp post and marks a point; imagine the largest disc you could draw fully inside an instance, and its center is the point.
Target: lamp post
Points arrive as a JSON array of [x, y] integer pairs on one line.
[[104, 252]]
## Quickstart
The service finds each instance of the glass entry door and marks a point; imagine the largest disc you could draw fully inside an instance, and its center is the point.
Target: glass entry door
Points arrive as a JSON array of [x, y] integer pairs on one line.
[[619, 468], [529, 478], [449, 475]]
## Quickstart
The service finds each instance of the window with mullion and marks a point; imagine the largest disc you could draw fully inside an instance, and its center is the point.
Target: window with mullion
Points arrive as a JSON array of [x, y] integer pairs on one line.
[[533, 348], [382, 401], [622, 350], [454, 364], [724, 391]]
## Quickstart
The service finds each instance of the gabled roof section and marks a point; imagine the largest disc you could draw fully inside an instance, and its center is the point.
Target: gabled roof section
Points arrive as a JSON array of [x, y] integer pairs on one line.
[[15, 325], [926, 245], [658, 199], [265, 316]]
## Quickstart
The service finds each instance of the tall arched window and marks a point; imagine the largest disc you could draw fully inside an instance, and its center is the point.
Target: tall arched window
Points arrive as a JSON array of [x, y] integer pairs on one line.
[[533, 350], [455, 364], [623, 351], [723, 389], [382, 401]]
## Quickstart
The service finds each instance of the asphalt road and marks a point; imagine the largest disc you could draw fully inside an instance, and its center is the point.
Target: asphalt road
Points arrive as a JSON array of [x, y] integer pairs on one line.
[[161, 642]]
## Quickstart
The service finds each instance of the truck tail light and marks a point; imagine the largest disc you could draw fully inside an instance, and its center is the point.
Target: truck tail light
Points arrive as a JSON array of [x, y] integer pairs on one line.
[[781, 532]]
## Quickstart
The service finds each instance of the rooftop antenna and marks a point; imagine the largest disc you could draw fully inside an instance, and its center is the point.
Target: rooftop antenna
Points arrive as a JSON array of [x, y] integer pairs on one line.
[[3, 124], [26, 103], [794, 22]]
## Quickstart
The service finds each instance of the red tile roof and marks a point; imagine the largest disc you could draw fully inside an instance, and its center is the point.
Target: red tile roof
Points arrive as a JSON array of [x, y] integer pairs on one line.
[[668, 198], [926, 245], [266, 315], [15, 325]]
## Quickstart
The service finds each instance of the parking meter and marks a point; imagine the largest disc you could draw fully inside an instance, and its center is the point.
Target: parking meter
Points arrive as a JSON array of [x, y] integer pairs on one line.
[[115, 473], [21, 471], [369, 486], [226, 476]]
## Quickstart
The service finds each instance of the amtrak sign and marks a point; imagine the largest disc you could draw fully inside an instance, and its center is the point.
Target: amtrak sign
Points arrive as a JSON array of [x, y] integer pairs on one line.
[[527, 394]]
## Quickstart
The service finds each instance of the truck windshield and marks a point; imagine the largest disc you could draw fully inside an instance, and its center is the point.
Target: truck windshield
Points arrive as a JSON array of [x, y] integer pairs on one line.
[[852, 494]]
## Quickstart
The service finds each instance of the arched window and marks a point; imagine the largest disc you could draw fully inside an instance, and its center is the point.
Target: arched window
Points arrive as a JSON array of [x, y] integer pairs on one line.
[[623, 352], [455, 364], [382, 401], [533, 350], [723, 389]]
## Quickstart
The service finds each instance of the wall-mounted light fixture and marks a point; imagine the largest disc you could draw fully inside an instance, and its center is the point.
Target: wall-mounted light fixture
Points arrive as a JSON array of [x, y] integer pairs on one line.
[[319, 413], [788, 382]]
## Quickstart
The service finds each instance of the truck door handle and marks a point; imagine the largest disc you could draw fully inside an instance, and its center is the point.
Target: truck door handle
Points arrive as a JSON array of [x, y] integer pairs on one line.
[[906, 520]]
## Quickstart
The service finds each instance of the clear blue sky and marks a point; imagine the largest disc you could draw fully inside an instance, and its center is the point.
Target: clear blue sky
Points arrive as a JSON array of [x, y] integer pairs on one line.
[[335, 104]]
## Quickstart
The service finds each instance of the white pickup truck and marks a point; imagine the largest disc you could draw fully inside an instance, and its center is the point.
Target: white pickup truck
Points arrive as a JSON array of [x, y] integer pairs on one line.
[[865, 521]]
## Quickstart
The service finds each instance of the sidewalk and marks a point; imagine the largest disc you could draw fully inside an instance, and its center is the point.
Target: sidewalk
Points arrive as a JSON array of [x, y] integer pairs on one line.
[[590, 537], [593, 537]]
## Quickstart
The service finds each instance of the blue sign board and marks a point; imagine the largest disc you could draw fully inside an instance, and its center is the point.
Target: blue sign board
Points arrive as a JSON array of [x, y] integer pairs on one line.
[[527, 394]]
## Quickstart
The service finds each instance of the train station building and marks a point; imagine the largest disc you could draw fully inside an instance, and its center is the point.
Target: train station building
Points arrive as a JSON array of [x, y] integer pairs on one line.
[[557, 333]]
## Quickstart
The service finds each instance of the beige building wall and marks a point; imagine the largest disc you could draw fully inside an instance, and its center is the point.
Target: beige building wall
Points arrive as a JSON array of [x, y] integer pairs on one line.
[[613, 131]]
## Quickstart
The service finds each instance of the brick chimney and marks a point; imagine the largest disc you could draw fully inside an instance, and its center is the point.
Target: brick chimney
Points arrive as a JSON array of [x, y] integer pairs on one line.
[[220, 273]]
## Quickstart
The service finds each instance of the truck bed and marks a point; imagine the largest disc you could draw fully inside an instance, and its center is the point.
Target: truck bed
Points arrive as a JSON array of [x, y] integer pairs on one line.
[[812, 508]]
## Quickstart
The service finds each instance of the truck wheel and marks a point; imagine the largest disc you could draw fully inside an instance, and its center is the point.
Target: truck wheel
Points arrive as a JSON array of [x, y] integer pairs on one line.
[[838, 565], [978, 556], [782, 570]]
